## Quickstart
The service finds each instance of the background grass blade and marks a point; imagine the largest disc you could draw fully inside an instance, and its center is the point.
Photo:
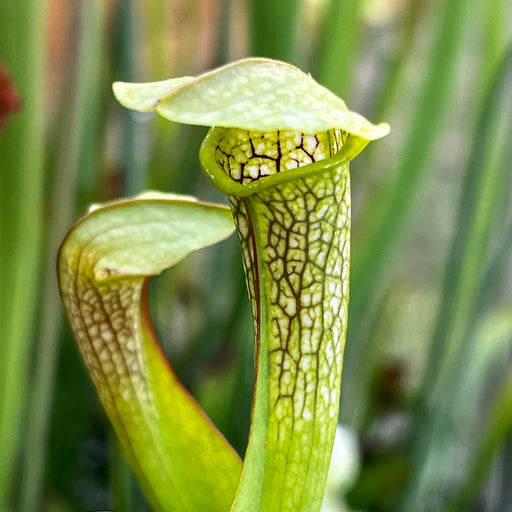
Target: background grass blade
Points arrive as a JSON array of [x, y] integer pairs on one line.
[[21, 200], [339, 39], [272, 28], [386, 215], [414, 11], [498, 426], [484, 181], [478, 210], [68, 167]]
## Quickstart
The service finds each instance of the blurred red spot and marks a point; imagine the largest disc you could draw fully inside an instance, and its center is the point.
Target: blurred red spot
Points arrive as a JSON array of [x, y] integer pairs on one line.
[[9, 98]]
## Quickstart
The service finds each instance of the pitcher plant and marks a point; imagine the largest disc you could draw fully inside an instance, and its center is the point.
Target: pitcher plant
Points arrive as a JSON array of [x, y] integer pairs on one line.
[[279, 148]]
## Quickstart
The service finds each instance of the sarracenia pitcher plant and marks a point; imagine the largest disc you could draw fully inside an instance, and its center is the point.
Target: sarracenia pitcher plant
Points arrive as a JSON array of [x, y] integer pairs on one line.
[[279, 148]]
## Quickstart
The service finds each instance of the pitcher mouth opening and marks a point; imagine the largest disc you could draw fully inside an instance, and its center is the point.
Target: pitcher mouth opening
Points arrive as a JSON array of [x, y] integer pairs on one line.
[[247, 156], [241, 162]]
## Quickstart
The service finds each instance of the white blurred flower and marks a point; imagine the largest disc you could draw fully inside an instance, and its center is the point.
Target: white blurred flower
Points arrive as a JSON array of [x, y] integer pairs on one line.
[[343, 470]]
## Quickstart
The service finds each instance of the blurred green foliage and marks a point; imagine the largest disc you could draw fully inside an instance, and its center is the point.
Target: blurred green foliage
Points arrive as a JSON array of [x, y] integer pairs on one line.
[[427, 377]]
